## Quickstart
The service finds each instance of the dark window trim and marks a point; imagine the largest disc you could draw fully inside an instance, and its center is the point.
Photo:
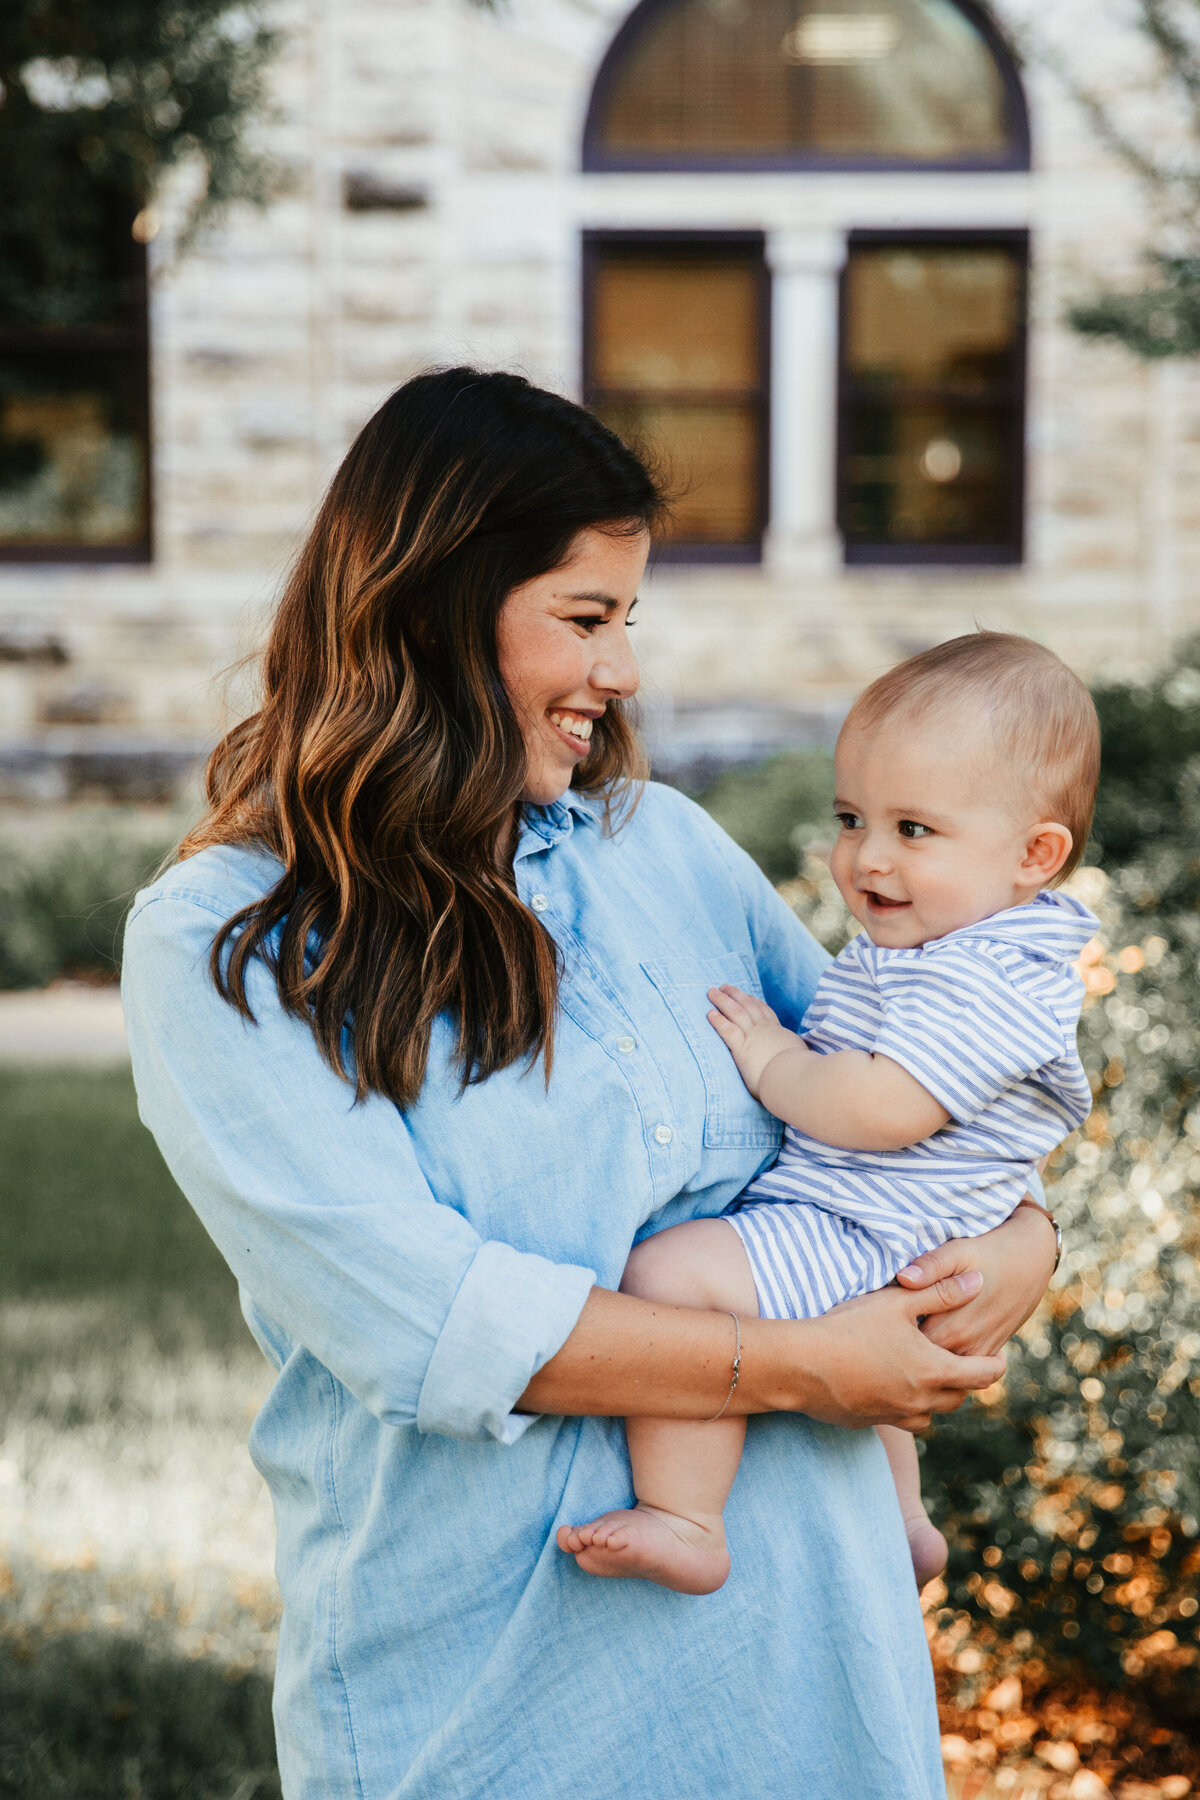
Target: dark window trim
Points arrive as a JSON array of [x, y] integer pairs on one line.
[[79, 340], [597, 159], [595, 241], [1002, 555]]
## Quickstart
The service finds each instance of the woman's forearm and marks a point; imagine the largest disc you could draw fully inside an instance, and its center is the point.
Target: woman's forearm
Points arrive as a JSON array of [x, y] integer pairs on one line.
[[865, 1363]]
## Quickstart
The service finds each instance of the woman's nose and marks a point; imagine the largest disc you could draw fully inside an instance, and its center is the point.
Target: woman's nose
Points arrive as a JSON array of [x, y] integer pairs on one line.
[[615, 670]]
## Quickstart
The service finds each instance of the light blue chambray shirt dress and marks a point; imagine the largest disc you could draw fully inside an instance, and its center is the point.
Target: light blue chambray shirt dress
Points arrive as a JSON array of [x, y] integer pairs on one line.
[[407, 1274]]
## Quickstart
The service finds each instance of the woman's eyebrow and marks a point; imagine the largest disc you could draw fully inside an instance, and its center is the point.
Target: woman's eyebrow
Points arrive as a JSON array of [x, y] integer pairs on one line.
[[607, 601]]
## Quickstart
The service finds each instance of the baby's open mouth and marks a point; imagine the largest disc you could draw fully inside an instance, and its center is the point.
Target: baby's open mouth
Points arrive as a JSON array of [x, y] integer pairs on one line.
[[882, 901], [573, 724]]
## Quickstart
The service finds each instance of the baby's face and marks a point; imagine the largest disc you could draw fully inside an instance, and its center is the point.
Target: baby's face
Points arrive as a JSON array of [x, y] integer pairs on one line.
[[933, 830]]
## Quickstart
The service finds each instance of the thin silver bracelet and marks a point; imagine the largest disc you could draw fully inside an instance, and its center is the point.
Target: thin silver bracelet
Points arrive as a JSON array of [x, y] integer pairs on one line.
[[737, 1369]]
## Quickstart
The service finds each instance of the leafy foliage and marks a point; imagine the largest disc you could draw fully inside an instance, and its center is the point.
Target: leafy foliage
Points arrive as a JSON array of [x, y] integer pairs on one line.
[[63, 900], [1150, 733], [98, 104], [1163, 318], [773, 810]]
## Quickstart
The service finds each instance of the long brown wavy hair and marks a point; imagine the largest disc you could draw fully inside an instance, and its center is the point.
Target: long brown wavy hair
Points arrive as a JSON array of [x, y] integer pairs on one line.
[[385, 763]]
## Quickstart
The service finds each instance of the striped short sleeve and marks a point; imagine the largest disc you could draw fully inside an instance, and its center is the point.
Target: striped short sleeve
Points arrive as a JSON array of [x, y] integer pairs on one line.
[[960, 1027]]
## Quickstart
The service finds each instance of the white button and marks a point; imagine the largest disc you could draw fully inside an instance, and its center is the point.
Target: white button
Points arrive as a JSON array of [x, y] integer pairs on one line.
[[663, 1134], [626, 1046], [539, 902]]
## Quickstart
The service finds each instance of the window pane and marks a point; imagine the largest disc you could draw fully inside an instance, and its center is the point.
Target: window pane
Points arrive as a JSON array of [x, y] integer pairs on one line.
[[712, 457], [663, 324], [907, 80], [675, 362], [921, 315], [932, 403], [72, 449]]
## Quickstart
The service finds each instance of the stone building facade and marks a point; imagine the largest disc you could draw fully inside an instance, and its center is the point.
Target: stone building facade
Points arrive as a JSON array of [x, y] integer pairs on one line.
[[440, 209]]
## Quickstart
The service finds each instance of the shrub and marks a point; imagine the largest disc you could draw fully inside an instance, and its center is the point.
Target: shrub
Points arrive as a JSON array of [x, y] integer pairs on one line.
[[774, 809], [63, 899]]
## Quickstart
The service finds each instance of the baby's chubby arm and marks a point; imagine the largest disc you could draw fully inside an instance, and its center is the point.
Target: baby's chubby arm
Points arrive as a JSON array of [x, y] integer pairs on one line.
[[849, 1098]]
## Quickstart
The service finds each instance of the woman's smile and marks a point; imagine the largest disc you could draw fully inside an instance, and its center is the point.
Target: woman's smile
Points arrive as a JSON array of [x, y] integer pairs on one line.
[[575, 728]]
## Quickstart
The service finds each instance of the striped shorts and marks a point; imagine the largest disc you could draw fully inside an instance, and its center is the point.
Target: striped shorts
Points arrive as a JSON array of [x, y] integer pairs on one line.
[[806, 1260]]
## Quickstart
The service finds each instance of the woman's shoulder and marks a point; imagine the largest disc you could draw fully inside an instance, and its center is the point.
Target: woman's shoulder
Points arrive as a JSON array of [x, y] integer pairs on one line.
[[664, 812], [219, 880]]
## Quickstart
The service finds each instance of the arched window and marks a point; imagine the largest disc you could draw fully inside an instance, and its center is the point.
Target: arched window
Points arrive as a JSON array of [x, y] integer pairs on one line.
[[817, 84]]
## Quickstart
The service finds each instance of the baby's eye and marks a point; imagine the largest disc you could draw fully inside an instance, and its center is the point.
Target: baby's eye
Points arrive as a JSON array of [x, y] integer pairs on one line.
[[848, 821], [909, 828]]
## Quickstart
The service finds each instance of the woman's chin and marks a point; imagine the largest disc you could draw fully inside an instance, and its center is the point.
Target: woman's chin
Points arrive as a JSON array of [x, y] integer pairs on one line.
[[546, 789]]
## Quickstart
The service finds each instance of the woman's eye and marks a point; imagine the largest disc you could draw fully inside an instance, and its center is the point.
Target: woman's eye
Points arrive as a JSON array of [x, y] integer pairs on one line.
[[588, 621], [848, 821], [909, 828]]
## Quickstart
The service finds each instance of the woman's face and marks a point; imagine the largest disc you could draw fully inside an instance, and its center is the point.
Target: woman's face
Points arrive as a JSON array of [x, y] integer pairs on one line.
[[564, 647]]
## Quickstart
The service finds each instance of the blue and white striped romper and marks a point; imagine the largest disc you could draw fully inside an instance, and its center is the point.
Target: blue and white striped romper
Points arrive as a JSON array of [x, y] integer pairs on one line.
[[985, 1019]]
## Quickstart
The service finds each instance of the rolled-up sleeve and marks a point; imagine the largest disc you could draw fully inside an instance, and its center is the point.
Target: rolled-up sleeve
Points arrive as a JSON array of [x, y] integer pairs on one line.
[[319, 1206]]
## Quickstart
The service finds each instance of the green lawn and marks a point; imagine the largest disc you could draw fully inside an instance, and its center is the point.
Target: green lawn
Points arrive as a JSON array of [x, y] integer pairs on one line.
[[89, 1211], [136, 1609]]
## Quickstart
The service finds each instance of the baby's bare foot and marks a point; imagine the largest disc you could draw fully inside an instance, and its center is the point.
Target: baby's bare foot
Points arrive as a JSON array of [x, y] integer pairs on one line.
[[927, 1547], [643, 1542]]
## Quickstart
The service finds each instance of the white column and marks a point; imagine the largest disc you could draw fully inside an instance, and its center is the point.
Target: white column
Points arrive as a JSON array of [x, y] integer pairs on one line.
[[805, 265]]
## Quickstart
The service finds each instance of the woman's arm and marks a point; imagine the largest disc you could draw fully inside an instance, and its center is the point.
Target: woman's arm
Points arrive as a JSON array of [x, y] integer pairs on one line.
[[1016, 1261], [867, 1362]]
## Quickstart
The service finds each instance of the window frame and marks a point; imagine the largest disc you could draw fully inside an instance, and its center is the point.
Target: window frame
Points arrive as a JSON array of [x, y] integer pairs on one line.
[[595, 243], [597, 159], [1010, 554], [133, 336]]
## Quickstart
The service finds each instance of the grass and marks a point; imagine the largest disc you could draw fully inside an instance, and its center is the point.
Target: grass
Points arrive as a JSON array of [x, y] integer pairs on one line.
[[137, 1607], [88, 1209]]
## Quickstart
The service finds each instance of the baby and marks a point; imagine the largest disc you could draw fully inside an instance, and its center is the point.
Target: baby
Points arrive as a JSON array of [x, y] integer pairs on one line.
[[938, 1061]]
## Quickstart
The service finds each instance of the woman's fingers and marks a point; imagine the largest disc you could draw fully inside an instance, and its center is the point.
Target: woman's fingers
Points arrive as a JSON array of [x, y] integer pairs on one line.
[[948, 1292], [935, 1265]]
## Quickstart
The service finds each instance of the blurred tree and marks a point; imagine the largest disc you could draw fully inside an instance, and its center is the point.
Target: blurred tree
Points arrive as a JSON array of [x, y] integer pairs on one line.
[[98, 103], [1161, 145]]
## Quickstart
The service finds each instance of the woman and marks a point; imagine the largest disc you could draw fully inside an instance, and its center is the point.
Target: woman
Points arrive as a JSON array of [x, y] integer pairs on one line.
[[419, 1023]]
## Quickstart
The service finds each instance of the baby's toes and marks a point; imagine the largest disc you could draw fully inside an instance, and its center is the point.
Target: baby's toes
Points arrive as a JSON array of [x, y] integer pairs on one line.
[[568, 1538]]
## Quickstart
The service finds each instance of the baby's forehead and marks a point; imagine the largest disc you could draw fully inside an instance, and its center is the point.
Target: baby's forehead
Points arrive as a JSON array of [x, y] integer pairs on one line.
[[941, 739], [954, 755]]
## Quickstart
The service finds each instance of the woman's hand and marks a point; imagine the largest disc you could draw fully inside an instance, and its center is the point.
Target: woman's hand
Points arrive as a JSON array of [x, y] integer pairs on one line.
[[874, 1364], [1016, 1261]]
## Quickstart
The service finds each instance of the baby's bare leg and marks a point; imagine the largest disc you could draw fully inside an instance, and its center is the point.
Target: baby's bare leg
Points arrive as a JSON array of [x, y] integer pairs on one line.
[[926, 1544], [682, 1471]]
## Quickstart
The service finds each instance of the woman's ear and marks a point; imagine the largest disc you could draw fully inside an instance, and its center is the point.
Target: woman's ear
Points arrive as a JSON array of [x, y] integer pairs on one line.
[[1047, 848]]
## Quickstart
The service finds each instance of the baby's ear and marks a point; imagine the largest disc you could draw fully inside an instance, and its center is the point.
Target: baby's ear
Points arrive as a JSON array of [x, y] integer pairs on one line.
[[1047, 848]]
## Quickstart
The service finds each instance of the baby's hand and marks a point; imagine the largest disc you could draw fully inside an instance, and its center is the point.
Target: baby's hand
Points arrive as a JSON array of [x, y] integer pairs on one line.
[[751, 1030]]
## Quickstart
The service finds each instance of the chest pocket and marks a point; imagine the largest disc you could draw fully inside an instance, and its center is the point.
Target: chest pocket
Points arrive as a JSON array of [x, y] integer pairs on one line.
[[733, 1118]]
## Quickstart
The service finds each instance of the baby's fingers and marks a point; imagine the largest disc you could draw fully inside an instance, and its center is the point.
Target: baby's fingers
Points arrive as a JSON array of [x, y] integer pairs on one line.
[[743, 1009], [727, 1031]]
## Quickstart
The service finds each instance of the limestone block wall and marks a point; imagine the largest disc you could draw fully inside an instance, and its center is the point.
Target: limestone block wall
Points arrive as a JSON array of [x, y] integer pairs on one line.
[[434, 214]]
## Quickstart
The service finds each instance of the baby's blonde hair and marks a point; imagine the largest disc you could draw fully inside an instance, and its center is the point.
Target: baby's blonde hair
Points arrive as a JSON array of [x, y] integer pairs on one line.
[[1040, 713]]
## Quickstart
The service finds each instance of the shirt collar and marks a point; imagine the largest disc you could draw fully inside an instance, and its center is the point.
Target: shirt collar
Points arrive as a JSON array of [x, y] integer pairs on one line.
[[542, 827], [1052, 922]]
